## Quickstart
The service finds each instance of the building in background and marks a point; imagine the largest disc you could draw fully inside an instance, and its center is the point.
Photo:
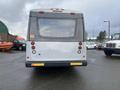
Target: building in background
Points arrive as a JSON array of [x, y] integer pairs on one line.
[[4, 33]]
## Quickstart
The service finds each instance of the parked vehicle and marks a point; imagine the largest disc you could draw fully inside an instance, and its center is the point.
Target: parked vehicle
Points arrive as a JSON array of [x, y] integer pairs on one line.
[[55, 38], [100, 46], [90, 45], [6, 45], [19, 45], [113, 46]]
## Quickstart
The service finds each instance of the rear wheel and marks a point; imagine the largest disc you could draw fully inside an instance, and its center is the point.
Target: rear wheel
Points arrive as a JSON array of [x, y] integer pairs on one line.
[[87, 48], [108, 53], [20, 48]]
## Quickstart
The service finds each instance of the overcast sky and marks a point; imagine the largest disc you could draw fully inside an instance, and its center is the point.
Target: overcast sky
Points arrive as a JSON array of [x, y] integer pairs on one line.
[[14, 13]]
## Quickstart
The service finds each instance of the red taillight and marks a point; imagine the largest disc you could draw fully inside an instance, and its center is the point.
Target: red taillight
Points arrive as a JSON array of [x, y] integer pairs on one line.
[[79, 47], [41, 12], [80, 43], [33, 47], [27, 57], [32, 43], [72, 13]]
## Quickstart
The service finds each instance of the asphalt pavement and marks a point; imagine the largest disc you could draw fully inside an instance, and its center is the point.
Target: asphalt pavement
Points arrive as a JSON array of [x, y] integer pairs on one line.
[[102, 73]]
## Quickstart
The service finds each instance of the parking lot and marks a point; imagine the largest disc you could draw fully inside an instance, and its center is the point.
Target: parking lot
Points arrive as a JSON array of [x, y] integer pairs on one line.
[[102, 73]]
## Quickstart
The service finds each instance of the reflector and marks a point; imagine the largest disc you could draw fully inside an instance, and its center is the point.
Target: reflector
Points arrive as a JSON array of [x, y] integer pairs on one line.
[[72, 13], [37, 64], [75, 63], [79, 47]]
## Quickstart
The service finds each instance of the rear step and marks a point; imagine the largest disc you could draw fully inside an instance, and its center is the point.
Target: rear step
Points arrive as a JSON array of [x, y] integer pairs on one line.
[[55, 63]]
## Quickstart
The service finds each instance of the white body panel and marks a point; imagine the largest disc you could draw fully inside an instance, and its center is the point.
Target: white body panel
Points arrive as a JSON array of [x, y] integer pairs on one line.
[[56, 51], [116, 42]]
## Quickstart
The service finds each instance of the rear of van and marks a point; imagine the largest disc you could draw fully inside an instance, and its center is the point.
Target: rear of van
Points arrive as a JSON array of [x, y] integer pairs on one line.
[[55, 38]]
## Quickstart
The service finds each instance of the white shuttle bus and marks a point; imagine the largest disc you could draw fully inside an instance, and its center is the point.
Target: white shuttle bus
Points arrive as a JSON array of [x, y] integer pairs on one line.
[[55, 38]]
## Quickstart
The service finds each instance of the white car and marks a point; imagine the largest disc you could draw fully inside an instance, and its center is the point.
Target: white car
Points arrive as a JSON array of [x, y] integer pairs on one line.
[[90, 45], [100, 46]]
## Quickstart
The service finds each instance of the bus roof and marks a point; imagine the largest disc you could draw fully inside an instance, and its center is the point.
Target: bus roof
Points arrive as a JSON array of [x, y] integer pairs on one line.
[[55, 13], [54, 10]]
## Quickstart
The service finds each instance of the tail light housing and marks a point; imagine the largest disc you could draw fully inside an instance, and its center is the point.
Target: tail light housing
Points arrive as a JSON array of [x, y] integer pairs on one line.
[[80, 45], [34, 51], [33, 47], [32, 43], [72, 13]]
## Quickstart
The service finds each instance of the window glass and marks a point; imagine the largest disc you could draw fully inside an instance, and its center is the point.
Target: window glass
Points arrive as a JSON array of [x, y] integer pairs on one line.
[[116, 36], [57, 27]]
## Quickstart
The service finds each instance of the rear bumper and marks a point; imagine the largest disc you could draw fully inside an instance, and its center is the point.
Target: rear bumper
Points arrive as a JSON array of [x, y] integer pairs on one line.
[[55, 63]]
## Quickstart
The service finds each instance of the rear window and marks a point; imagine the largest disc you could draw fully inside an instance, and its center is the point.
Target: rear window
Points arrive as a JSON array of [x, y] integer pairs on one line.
[[57, 27]]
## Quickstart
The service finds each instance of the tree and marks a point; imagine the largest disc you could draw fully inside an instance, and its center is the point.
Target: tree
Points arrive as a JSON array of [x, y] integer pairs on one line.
[[102, 36]]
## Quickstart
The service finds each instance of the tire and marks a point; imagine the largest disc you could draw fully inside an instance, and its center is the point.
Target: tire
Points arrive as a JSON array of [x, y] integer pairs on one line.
[[95, 47], [108, 53], [20, 48], [87, 48]]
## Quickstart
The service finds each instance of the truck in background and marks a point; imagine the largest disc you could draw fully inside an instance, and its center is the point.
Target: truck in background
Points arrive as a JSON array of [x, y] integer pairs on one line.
[[113, 46]]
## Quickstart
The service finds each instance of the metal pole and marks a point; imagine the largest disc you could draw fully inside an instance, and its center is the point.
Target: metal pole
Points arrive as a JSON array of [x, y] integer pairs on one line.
[[108, 29]]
